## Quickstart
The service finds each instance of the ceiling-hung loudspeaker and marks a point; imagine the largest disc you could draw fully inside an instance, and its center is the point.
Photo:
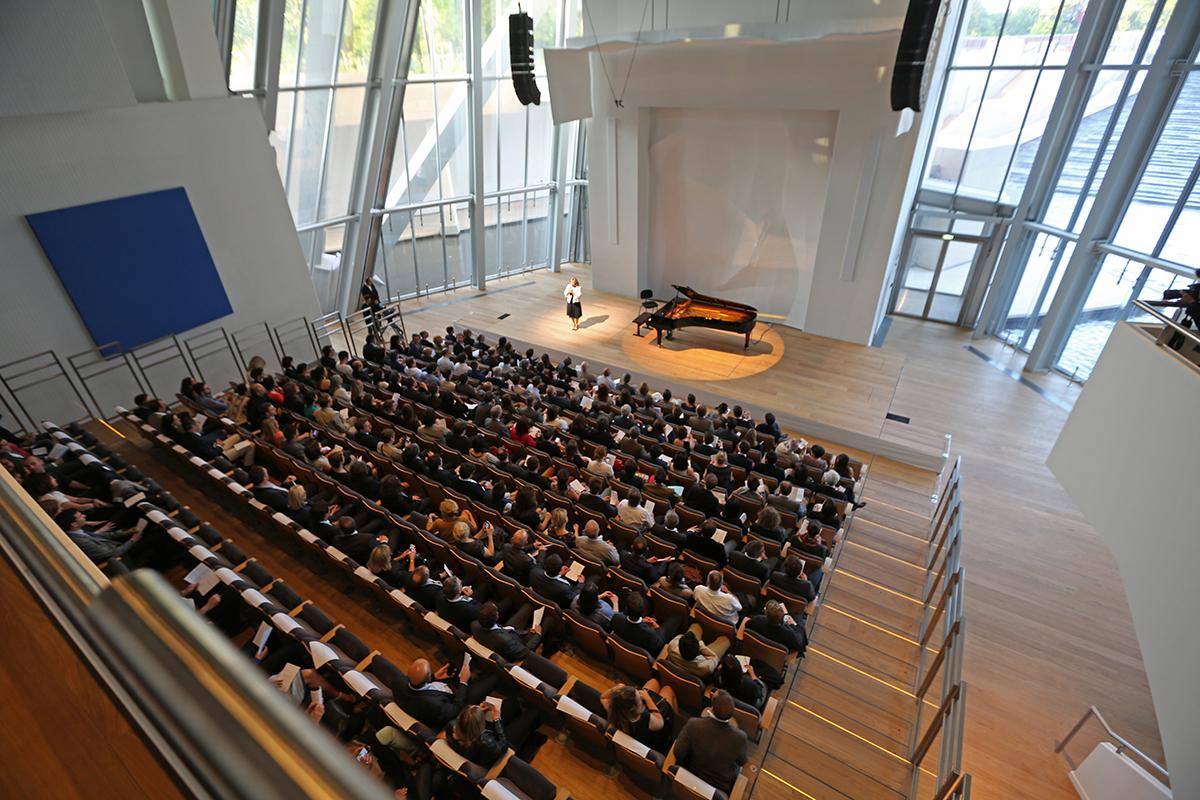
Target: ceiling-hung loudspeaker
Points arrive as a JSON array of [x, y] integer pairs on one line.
[[520, 48], [918, 43]]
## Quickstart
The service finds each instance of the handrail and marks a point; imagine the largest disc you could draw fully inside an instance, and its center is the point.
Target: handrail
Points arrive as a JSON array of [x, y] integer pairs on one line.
[[959, 783], [1170, 326], [1123, 744], [219, 727], [230, 730], [31, 539]]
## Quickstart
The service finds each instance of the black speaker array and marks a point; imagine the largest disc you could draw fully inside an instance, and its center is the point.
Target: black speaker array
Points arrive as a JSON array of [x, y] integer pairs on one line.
[[520, 48], [910, 78]]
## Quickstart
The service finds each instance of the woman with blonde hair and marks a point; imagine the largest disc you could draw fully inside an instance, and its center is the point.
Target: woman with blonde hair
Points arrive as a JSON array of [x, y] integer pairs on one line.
[[574, 295], [297, 499]]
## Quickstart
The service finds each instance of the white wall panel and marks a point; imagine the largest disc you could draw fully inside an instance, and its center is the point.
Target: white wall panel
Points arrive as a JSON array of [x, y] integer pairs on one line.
[[737, 201], [1127, 457], [57, 55], [216, 149]]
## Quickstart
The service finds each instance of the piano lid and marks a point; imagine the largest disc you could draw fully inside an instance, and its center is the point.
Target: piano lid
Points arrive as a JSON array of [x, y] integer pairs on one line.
[[695, 296]]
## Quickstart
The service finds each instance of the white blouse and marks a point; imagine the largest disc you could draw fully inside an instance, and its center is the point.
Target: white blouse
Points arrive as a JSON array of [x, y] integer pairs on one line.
[[573, 293]]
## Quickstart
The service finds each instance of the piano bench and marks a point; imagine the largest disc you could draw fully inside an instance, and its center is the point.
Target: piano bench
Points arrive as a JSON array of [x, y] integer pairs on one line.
[[640, 321]]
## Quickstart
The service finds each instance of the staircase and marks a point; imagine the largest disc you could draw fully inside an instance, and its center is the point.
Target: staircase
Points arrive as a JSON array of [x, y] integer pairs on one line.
[[872, 713]]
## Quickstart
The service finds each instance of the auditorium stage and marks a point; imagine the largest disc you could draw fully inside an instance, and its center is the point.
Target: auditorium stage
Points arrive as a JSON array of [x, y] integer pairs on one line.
[[833, 390]]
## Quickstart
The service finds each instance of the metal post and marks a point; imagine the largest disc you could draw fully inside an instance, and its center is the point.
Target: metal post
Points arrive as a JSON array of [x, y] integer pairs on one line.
[[475, 58], [399, 24], [1063, 119]]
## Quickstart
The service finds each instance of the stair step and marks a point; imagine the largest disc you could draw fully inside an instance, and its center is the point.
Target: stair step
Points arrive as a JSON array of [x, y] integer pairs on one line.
[[867, 647]]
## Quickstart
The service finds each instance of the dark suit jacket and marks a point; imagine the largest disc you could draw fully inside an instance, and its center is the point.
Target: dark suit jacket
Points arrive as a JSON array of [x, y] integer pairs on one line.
[[517, 563], [702, 500], [433, 708], [638, 633], [597, 503], [792, 637], [460, 613], [553, 589], [793, 586], [755, 569], [706, 548], [712, 750], [510, 644], [272, 497], [357, 545]]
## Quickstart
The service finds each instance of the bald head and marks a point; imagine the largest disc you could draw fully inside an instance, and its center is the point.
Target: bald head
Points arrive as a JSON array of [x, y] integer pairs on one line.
[[418, 672], [520, 538], [591, 529]]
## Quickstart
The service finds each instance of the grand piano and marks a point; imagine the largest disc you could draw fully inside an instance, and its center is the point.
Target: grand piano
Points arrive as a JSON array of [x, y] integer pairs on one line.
[[692, 309]]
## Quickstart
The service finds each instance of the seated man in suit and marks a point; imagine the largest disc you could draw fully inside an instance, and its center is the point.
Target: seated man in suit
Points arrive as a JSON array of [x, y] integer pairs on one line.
[[549, 582], [634, 627], [594, 500], [513, 641], [517, 554], [355, 543], [638, 562], [778, 626], [711, 746], [752, 560], [424, 587], [701, 497], [435, 698], [266, 492], [701, 543], [793, 580], [590, 543], [668, 529], [456, 605]]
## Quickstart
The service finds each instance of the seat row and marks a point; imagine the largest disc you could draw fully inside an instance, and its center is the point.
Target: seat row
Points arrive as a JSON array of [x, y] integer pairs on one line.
[[534, 676]]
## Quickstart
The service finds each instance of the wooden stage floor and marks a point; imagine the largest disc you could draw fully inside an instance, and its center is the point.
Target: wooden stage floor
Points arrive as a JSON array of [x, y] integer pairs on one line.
[[1050, 630]]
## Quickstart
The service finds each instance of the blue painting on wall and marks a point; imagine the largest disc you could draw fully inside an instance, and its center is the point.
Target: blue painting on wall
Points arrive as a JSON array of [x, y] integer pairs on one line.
[[137, 268]]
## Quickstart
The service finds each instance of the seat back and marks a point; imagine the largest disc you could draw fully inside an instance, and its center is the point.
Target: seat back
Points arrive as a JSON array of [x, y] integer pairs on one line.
[[796, 606], [631, 659], [586, 634], [688, 689]]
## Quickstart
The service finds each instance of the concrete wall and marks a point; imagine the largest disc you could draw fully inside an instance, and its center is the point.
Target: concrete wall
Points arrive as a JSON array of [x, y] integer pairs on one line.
[[1127, 458]]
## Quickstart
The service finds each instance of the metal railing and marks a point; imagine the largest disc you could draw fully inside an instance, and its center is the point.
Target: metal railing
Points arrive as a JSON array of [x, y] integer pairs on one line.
[[943, 607], [215, 722], [1172, 330], [1123, 744]]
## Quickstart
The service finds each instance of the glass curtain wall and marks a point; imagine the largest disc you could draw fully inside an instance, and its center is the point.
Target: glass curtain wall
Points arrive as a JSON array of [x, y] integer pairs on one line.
[[323, 110], [424, 242], [1014, 78], [1157, 243], [1003, 76], [322, 98]]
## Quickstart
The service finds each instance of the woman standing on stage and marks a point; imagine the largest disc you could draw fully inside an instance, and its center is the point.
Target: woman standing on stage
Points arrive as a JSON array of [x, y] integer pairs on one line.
[[573, 293]]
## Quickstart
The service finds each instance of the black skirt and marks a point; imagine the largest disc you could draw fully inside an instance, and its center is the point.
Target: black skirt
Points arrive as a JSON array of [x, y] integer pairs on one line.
[[574, 310]]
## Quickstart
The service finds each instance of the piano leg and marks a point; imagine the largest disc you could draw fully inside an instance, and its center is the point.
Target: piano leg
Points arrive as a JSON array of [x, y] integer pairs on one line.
[[747, 345], [658, 341]]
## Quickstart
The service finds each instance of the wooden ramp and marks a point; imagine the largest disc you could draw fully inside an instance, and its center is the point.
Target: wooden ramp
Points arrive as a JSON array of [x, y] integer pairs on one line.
[[847, 720]]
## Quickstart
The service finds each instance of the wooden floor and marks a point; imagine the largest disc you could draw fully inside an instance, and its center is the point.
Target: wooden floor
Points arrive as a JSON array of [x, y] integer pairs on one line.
[[1050, 631], [63, 736]]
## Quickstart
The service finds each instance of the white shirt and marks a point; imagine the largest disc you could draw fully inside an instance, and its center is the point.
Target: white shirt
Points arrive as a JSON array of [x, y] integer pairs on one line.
[[573, 293]]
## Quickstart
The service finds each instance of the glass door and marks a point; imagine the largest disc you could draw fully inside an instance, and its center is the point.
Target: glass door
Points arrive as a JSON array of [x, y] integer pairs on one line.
[[936, 274]]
